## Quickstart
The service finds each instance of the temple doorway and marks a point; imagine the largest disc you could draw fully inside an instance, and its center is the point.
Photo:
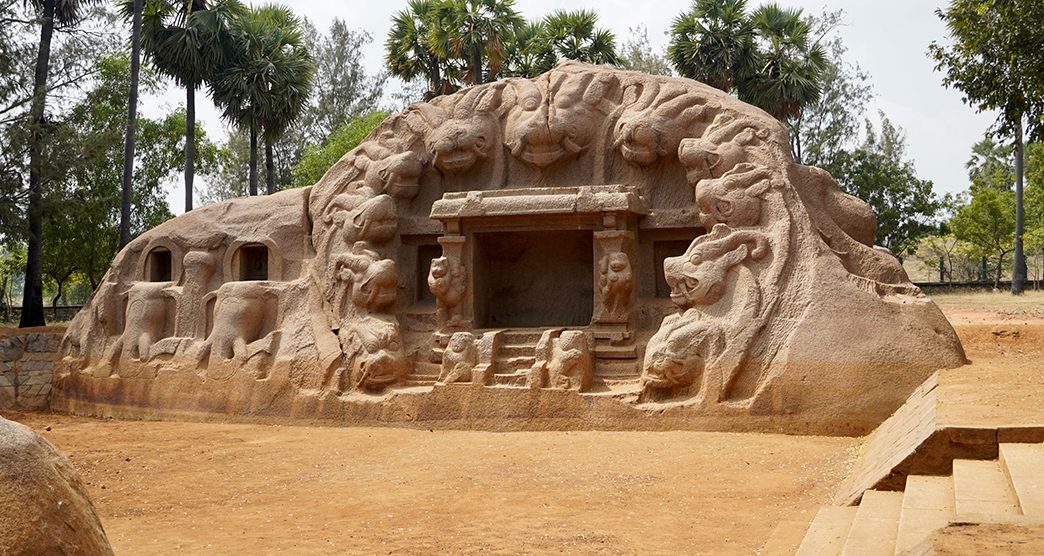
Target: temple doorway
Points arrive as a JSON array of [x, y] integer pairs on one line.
[[534, 278]]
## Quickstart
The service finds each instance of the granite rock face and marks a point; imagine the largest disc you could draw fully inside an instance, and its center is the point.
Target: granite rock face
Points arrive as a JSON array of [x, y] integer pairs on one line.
[[629, 246], [44, 507]]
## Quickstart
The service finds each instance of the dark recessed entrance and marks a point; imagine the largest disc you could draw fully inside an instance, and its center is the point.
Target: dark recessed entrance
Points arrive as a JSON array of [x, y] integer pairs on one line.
[[528, 279]]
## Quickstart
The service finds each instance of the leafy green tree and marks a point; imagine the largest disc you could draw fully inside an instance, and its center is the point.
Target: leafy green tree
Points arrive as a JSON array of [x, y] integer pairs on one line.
[[187, 40], [52, 14], [996, 58], [522, 58], [831, 125], [987, 222], [638, 55], [317, 160], [266, 81], [136, 8], [878, 173], [990, 166]]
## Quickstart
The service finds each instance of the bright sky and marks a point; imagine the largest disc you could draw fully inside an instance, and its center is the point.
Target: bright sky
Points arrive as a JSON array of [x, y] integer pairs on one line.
[[888, 38]]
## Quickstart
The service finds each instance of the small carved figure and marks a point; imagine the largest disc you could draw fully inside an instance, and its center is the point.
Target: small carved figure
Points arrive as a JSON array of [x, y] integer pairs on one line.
[[733, 199], [461, 142], [199, 267], [615, 282], [677, 353], [447, 280], [396, 175], [459, 358], [362, 217], [571, 366]]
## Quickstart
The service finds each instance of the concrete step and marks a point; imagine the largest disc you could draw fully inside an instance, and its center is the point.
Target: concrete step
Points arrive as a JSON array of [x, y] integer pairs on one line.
[[981, 488], [1023, 465], [927, 507], [875, 526], [828, 531], [515, 380]]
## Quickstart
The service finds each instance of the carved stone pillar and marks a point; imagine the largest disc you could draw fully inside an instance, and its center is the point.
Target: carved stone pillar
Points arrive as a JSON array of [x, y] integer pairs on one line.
[[615, 277]]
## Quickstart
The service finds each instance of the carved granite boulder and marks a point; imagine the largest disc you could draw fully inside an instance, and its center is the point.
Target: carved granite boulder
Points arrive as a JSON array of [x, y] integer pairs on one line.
[[627, 245]]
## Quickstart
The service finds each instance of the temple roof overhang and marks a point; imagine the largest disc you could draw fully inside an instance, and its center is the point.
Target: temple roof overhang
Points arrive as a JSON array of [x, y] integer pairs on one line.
[[549, 201]]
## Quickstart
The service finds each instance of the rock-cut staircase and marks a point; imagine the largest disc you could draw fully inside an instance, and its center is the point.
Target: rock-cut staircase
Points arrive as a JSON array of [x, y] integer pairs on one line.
[[1009, 489]]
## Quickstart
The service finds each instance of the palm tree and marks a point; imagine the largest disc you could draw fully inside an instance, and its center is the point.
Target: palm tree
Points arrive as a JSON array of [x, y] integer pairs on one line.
[[475, 30], [187, 41], [790, 66], [267, 80], [573, 35], [409, 55], [714, 43], [53, 13], [522, 57], [132, 119]]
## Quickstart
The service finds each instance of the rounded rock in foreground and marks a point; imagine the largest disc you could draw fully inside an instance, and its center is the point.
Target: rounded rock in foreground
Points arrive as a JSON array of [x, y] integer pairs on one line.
[[44, 508]]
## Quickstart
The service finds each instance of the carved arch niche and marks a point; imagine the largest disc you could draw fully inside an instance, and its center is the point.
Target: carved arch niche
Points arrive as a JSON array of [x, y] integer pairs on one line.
[[254, 259]]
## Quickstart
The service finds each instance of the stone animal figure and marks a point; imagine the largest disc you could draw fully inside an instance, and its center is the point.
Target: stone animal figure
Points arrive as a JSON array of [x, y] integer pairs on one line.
[[459, 143], [652, 127], [615, 283], [543, 133], [239, 320], [698, 277], [199, 267], [146, 320], [722, 147], [677, 354], [571, 365], [459, 358], [733, 199], [374, 346], [368, 281], [447, 280], [362, 217]]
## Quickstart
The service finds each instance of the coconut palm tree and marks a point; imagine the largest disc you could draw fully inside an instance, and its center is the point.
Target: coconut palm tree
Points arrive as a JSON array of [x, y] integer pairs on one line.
[[790, 66], [267, 79], [714, 43], [187, 41], [409, 54], [573, 35], [53, 14], [136, 7], [474, 30]]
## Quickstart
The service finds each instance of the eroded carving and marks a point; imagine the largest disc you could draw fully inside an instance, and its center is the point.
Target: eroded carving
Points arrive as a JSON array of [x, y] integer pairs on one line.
[[447, 280], [616, 284], [459, 359]]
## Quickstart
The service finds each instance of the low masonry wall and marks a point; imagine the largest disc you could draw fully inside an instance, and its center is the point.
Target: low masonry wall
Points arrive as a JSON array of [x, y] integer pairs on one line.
[[27, 367]]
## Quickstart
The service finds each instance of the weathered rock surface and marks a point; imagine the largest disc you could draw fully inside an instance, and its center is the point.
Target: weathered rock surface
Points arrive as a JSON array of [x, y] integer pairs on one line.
[[714, 281], [44, 507]]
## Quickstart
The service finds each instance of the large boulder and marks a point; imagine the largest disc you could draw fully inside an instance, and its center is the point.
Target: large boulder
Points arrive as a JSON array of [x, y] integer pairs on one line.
[[44, 507]]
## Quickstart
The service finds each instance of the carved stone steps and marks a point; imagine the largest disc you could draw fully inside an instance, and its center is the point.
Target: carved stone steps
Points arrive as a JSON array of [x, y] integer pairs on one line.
[[616, 352], [506, 365], [1024, 466], [828, 531], [980, 487], [513, 380], [516, 350], [875, 525], [927, 507], [522, 337], [613, 369]]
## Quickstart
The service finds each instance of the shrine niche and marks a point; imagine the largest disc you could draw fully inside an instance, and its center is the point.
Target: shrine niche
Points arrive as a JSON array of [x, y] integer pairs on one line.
[[589, 242]]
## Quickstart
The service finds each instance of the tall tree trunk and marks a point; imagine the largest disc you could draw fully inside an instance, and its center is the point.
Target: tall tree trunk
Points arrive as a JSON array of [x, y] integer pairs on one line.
[[1018, 275], [270, 185], [190, 143], [433, 74], [132, 125], [32, 293], [476, 64], [253, 160], [58, 296]]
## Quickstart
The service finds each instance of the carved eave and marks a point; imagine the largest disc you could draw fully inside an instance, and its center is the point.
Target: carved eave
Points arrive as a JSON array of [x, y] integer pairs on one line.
[[621, 200]]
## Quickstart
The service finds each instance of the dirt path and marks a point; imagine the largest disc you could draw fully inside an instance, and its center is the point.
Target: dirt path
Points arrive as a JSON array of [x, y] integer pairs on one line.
[[164, 488]]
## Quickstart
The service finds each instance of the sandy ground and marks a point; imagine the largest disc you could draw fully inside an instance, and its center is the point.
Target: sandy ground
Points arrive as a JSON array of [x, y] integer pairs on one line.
[[191, 488], [164, 488]]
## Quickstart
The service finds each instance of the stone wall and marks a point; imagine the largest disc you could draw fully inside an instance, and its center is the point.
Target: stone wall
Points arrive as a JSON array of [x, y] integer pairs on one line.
[[27, 368]]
